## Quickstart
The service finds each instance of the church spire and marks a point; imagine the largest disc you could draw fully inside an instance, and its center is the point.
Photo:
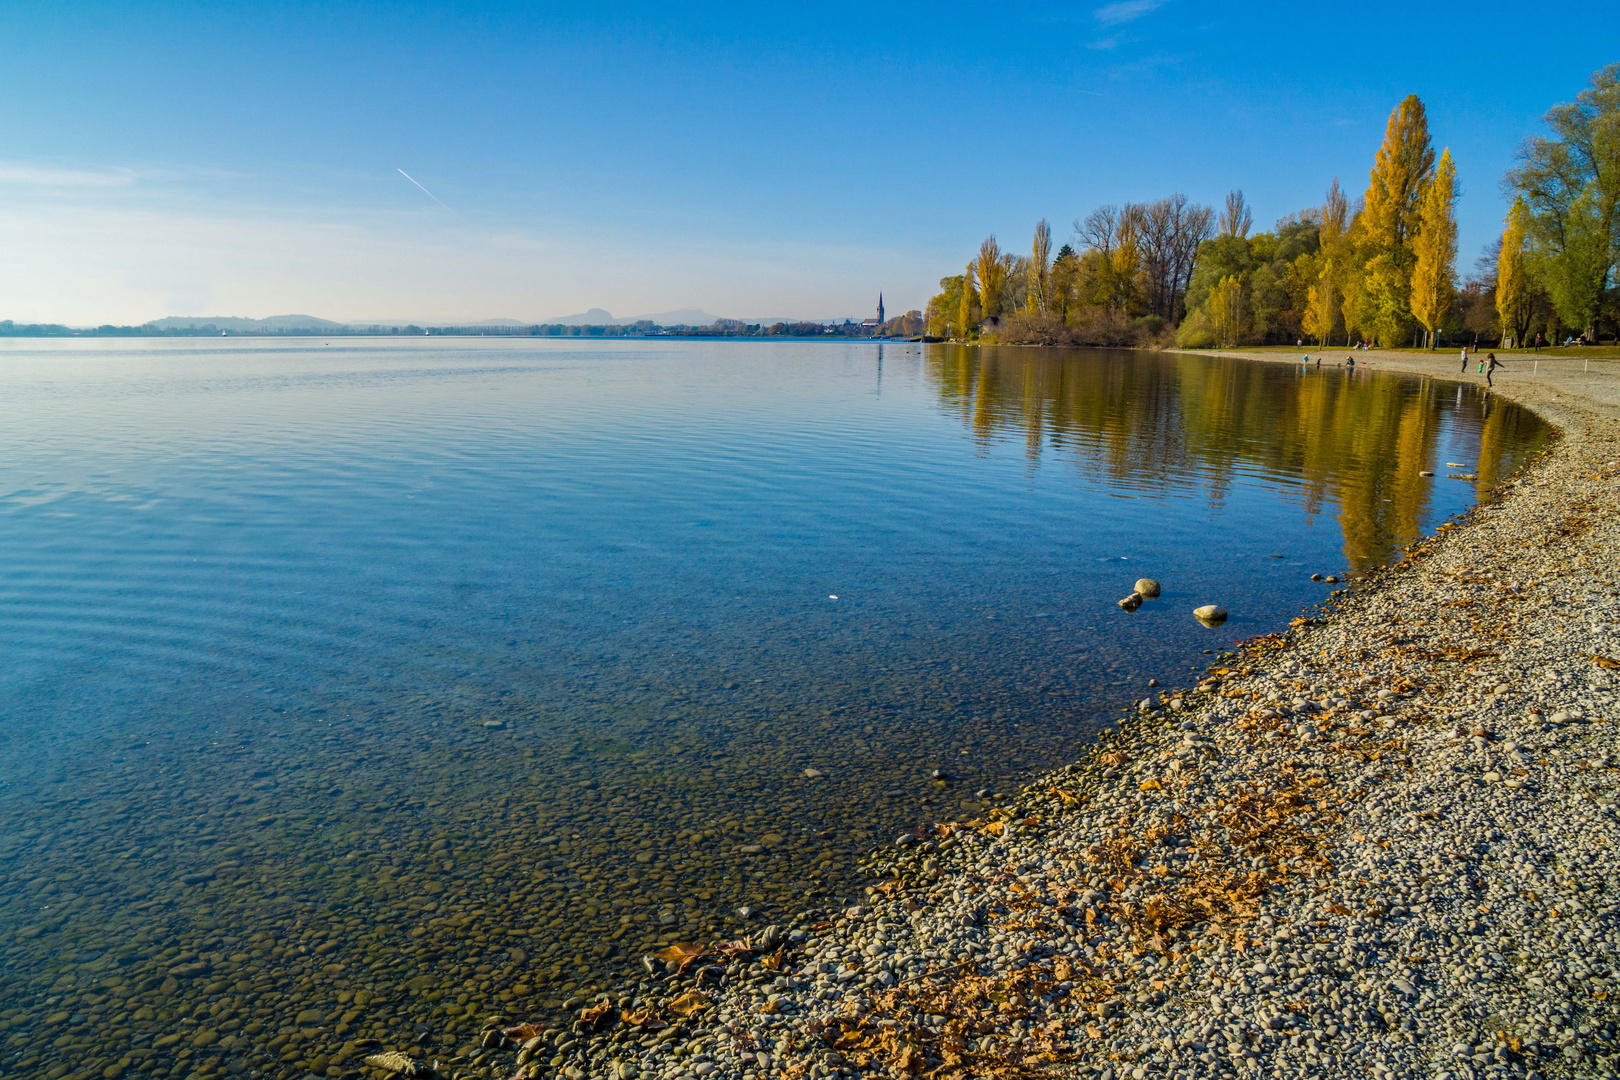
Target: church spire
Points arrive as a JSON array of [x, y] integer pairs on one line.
[[880, 309]]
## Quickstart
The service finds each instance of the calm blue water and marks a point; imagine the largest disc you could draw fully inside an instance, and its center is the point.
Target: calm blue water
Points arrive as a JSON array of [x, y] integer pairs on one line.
[[243, 582]]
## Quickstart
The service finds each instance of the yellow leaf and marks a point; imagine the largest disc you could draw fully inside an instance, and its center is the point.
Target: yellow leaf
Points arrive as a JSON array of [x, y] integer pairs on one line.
[[1151, 785], [689, 1003]]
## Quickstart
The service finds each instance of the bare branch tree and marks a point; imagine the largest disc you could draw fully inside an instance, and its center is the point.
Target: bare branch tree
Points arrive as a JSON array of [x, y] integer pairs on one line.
[[1237, 218]]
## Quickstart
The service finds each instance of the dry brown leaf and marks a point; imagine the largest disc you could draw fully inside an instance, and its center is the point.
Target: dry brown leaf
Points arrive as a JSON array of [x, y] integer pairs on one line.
[[644, 1019], [681, 953], [523, 1031], [689, 1003], [592, 1013]]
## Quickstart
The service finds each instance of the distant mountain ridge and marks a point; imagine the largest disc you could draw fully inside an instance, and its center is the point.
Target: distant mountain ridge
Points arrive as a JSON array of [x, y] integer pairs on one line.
[[592, 317], [231, 322], [599, 317]]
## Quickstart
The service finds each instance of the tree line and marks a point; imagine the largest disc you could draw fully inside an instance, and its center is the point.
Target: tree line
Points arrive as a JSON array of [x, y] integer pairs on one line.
[[1380, 269]]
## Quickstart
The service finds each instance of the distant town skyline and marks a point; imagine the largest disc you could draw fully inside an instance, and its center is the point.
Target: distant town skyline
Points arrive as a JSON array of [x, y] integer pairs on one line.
[[486, 161]]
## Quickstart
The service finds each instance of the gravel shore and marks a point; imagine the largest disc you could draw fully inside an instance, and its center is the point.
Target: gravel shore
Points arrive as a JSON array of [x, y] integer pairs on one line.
[[1380, 843]]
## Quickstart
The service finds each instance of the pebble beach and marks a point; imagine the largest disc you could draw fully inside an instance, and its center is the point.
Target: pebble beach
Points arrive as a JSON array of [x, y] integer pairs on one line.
[[1379, 843]]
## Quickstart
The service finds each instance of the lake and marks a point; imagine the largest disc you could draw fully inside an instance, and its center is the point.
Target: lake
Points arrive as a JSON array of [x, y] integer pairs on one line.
[[373, 686]]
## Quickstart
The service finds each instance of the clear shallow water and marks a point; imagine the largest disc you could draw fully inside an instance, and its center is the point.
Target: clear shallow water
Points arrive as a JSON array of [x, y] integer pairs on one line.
[[263, 602]]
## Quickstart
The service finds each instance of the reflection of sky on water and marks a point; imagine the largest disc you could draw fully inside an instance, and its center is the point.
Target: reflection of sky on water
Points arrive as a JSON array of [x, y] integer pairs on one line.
[[428, 514]]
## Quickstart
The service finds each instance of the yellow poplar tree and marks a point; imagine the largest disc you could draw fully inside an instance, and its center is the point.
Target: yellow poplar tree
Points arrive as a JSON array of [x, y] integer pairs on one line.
[[1512, 292], [991, 277], [1226, 310], [1040, 258], [964, 311], [1434, 275], [1326, 298], [1125, 262], [1391, 217], [1322, 308]]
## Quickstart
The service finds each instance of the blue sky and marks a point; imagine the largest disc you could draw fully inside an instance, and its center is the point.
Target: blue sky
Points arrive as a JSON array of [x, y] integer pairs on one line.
[[239, 159]]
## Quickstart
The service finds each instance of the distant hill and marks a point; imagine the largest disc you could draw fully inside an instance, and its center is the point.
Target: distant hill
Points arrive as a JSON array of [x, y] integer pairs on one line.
[[245, 326], [599, 317], [593, 317]]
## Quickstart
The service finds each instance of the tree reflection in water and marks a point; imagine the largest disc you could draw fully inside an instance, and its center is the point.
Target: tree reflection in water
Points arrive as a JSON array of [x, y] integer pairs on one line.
[[1177, 425]]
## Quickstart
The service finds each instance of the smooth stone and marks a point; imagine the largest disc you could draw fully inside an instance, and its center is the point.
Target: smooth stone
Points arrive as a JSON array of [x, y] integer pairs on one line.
[[1210, 614], [1147, 588], [1131, 602], [494, 723], [814, 774]]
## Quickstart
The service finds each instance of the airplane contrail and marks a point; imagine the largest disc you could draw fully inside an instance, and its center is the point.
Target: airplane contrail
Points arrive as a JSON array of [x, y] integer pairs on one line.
[[425, 191]]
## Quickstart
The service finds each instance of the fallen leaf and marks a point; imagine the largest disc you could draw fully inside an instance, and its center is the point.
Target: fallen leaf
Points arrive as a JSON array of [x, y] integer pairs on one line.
[[523, 1031], [1151, 785], [1606, 662], [592, 1013], [644, 1019], [681, 954], [395, 1062], [689, 1003]]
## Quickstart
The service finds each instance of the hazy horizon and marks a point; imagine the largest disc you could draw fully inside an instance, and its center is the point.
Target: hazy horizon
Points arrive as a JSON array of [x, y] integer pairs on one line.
[[245, 159]]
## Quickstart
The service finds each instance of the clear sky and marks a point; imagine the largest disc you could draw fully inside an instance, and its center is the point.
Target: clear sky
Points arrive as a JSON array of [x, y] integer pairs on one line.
[[749, 160]]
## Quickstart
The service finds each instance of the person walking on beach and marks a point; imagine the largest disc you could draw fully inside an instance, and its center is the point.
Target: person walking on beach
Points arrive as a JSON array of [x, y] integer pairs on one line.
[[1491, 364], [1465, 358]]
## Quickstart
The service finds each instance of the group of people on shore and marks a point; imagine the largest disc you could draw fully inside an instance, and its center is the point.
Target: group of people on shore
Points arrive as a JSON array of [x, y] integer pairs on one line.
[[1487, 366]]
